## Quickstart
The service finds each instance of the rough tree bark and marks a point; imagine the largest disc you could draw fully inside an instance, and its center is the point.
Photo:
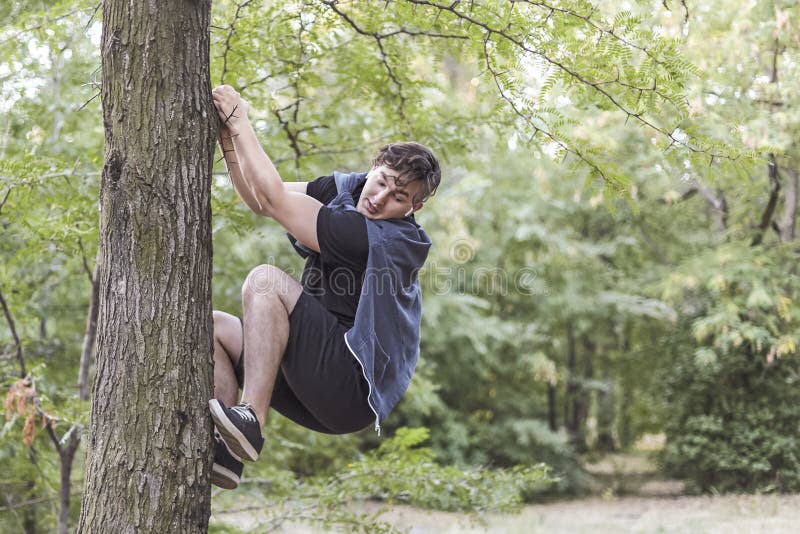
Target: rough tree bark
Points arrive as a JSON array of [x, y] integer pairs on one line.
[[149, 462]]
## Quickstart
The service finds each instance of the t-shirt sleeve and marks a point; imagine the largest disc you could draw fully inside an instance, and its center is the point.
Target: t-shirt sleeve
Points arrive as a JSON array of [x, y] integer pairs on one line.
[[322, 189], [342, 237]]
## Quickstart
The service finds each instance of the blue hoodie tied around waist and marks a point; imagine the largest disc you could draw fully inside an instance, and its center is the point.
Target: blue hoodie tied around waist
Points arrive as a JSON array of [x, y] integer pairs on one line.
[[386, 331]]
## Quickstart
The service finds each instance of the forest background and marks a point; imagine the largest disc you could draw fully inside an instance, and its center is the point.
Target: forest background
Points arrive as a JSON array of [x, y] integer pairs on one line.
[[614, 239]]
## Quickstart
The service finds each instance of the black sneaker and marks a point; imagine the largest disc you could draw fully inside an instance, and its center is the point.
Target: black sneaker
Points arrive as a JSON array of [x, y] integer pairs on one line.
[[227, 470], [239, 428]]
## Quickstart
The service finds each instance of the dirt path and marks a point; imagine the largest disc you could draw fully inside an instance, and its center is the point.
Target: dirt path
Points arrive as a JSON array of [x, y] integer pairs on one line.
[[765, 514], [761, 514]]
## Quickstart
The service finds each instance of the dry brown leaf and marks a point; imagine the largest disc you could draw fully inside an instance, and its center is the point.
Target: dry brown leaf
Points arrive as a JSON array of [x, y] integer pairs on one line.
[[29, 430]]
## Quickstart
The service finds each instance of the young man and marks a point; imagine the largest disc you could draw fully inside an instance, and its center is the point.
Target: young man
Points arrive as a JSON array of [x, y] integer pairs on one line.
[[335, 351]]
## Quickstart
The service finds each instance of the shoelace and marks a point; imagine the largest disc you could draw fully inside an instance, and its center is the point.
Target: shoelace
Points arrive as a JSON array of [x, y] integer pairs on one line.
[[245, 412]]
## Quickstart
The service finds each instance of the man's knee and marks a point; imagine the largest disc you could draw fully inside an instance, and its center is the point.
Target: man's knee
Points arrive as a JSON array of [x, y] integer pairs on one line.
[[264, 280], [226, 327], [221, 320]]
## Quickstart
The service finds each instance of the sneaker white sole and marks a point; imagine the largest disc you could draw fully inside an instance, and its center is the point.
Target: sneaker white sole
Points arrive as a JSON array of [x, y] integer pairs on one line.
[[233, 437], [224, 478]]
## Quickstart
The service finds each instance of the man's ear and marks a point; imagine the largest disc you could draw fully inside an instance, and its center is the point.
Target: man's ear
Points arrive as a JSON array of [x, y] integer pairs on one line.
[[418, 206]]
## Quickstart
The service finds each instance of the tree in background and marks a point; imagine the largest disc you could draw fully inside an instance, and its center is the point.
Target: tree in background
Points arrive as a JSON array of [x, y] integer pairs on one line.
[[734, 396]]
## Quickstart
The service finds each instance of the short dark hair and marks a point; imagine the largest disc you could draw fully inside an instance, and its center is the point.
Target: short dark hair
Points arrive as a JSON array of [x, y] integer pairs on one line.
[[414, 162]]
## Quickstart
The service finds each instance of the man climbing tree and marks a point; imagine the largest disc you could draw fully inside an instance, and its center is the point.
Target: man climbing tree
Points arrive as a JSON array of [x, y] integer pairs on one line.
[[335, 351]]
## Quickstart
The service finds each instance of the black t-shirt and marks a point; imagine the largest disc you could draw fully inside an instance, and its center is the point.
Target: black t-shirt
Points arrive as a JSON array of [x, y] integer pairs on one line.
[[334, 276]]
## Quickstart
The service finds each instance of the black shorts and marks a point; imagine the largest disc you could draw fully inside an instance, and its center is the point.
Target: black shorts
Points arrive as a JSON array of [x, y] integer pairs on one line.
[[320, 384]]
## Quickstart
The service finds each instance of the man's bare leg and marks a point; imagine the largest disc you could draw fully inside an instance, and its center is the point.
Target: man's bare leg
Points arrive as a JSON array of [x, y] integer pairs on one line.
[[227, 348], [268, 297]]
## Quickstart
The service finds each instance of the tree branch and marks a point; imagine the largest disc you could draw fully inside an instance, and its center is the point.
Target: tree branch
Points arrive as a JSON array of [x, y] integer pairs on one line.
[[49, 22], [769, 210], [596, 86], [14, 506], [588, 20], [94, 14], [384, 56], [715, 200], [528, 120], [5, 198], [400, 31], [12, 327], [52, 433], [315, 151], [86, 268], [231, 32], [293, 141], [88, 101]]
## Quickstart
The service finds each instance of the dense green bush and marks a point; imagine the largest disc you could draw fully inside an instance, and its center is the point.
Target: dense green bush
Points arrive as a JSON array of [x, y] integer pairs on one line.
[[735, 400]]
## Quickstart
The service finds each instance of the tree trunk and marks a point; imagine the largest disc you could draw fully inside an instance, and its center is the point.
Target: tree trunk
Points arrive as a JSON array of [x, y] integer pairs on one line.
[[67, 455], [573, 407], [583, 398], [89, 339], [605, 417], [624, 430], [551, 407], [149, 461], [29, 516], [772, 201], [790, 206]]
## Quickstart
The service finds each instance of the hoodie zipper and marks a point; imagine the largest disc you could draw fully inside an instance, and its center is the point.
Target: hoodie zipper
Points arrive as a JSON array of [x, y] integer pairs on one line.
[[369, 385]]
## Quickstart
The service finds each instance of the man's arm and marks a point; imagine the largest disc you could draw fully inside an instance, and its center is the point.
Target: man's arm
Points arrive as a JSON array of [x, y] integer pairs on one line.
[[232, 163], [229, 154], [256, 179], [298, 212], [296, 187]]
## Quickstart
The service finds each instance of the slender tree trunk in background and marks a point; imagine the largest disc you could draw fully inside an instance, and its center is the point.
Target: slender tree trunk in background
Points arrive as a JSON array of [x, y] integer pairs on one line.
[[11, 326], [89, 339], [790, 206], [583, 397], [30, 525], [624, 431], [622, 392], [149, 461], [551, 407], [772, 201], [606, 405], [67, 456], [571, 400]]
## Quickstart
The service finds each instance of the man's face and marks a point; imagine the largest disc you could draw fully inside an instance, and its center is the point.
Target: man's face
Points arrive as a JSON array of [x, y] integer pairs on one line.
[[382, 198]]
